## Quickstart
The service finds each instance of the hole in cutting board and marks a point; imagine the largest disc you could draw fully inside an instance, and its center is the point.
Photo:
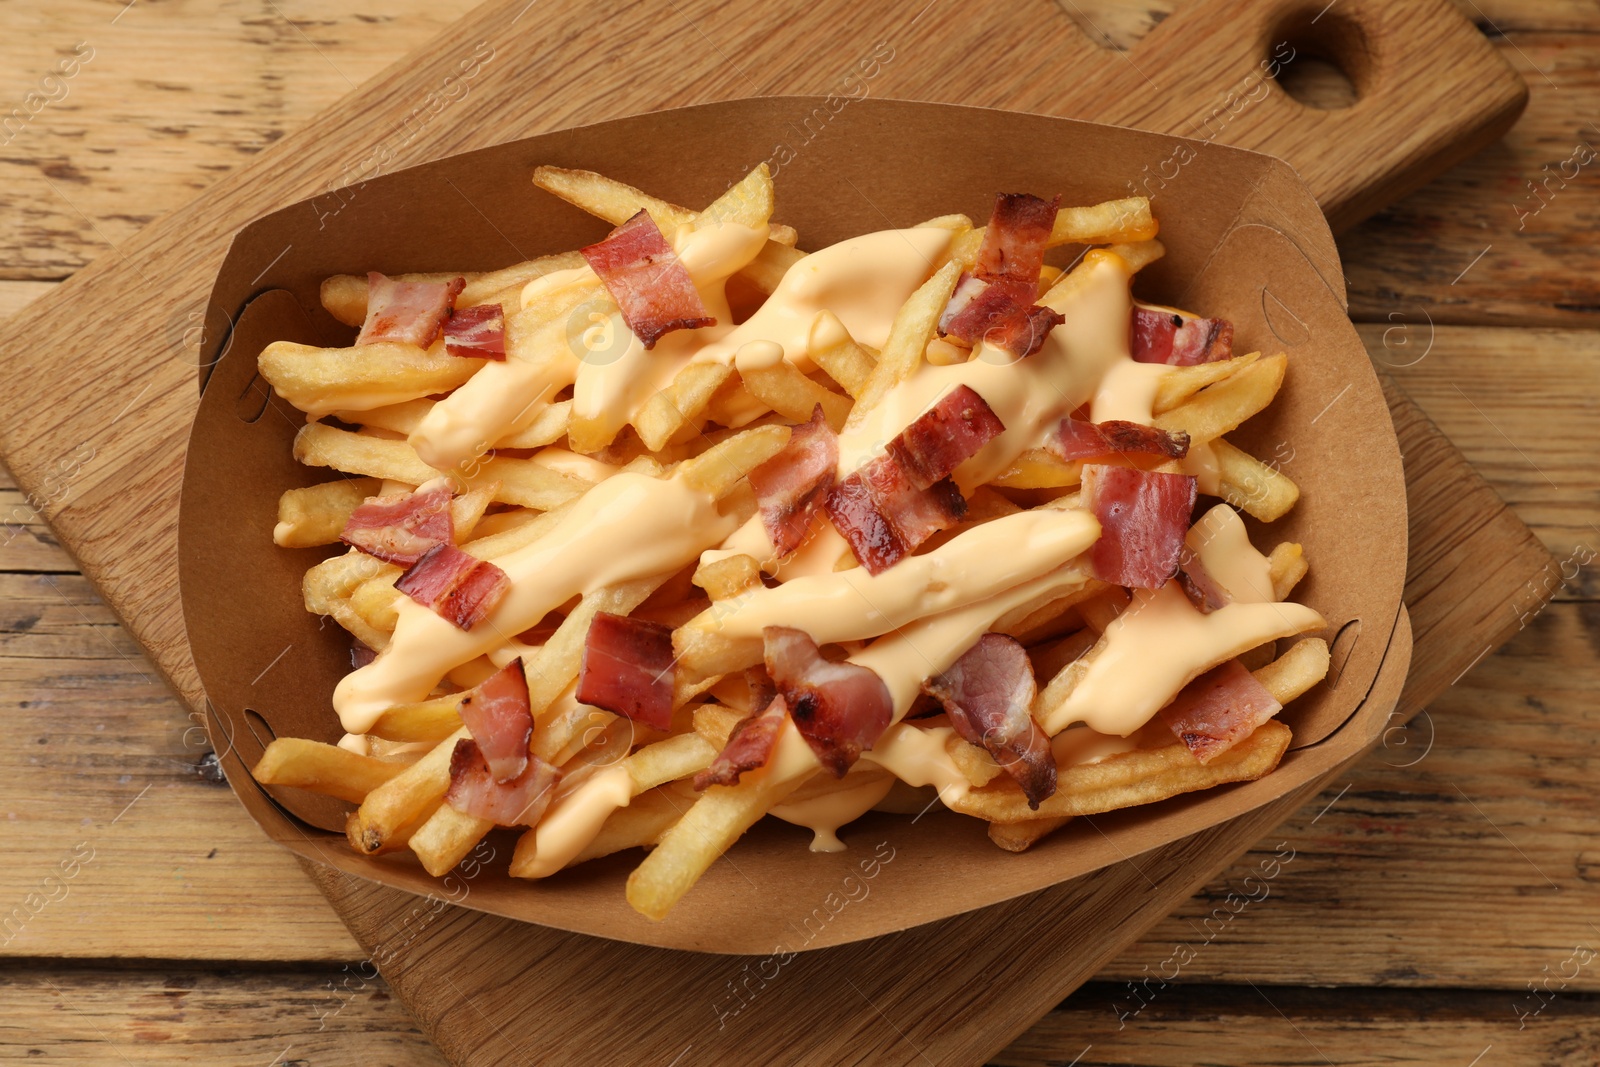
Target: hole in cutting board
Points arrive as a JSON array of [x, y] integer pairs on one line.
[[1320, 57]]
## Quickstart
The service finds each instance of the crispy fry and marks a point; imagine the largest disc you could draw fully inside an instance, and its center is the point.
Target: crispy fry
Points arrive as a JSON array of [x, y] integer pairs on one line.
[[316, 514], [767, 270], [446, 837], [729, 576], [1297, 670], [837, 353], [1220, 408], [1021, 836], [395, 842], [975, 764], [345, 295], [320, 381], [1259, 490], [1139, 254], [1180, 383], [781, 387], [1111, 222], [723, 466], [1288, 565], [615, 202], [522, 481], [400, 800], [322, 768], [670, 409], [912, 330], [1127, 779], [667, 761], [1037, 469], [429, 720]]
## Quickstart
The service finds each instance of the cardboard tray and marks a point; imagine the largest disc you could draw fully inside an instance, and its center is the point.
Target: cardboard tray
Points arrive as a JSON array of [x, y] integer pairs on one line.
[[1245, 240]]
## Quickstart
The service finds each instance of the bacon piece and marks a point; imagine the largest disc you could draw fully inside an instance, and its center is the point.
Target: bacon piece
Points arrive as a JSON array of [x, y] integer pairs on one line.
[[642, 273], [401, 527], [942, 437], [1144, 516], [500, 719], [1076, 439], [458, 587], [1219, 709], [360, 655], [475, 791], [407, 312], [792, 485], [840, 708], [901, 498], [749, 746], [996, 301], [627, 669], [1166, 337], [1203, 591], [477, 332], [988, 694]]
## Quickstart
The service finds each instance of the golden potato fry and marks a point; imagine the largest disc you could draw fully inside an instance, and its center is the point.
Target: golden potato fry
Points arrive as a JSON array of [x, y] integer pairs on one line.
[[1297, 670], [321, 768], [722, 467], [334, 579], [1111, 222], [666, 761], [1180, 383], [1127, 779], [1220, 408], [395, 842], [429, 720], [345, 295], [1139, 254], [975, 764], [606, 198], [1260, 491], [638, 825], [670, 409], [401, 799], [446, 837], [766, 271], [914, 326], [316, 514], [1288, 565], [729, 576], [1037, 469], [320, 381], [1021, 836], [715, 723], [781, 387]]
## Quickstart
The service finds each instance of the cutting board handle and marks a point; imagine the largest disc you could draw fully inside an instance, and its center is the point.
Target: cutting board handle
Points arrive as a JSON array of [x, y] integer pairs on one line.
[[1430, 90]]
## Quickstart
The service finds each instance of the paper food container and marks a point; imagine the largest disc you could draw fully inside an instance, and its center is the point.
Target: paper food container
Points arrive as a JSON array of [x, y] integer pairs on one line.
[[1244, 239]]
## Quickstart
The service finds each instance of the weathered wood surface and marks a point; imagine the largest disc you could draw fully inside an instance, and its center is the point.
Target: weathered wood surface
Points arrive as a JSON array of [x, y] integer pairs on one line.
[[1363, 850]]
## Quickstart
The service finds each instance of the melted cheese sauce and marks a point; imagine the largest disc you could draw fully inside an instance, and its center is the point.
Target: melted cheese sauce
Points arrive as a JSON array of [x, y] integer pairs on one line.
[[1157, 645], [1224, 548], [823, 815]]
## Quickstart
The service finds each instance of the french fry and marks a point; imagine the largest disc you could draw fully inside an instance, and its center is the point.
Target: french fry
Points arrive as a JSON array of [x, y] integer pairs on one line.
[[429, 720], [723, 466], [715, 723], [957, 223], [667, 761], [352, 620], [975, 764], [334, 579], [1111, 222], [556, 664], [913, 328], [748, 202], [767, 270], [1021, 836], [791, 394], [522, 481], [1127, 779], [669, 409], [1049, 658], [1220, 408], [1180, 383], [316, 514], [396, 842], [1037, 469], [1026, 622], [1139, 254], [345, 295], [1296, 671], [728, 577], [547, 427], [1260, 491], [375, 601], [830, 345], [640, 824], [401, 799], [320, 381], [446, 837], [321, 768], [606, 198], [1287, 565], [705, 832]]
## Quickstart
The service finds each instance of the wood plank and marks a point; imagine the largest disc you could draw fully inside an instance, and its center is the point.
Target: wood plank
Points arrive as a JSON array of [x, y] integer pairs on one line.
[[177, 1015]]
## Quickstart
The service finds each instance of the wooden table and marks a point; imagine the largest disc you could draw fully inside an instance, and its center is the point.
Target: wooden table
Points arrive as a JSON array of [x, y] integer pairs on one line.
[[144, 919]]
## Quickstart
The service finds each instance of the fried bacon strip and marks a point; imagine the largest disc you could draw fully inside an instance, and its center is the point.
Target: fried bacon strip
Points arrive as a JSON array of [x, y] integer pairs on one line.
[[627, 669], [643, 274], [1076, 439], [499, 717], [749, 746], [791, 486], [995, 302], [401, 527], [1219, 709], [1144, 516], [1167, 337], [457, 586], [477, 332], [988, 693], [406, 312], [474, 790], [840, 708], [898, 500]]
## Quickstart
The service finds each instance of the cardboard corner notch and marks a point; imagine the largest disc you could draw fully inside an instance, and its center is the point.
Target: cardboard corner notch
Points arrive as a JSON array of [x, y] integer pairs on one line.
[[1245, 240]]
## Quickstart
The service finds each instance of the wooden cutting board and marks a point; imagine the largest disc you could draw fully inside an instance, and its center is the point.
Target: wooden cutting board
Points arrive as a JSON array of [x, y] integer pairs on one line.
[[106, 363]]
